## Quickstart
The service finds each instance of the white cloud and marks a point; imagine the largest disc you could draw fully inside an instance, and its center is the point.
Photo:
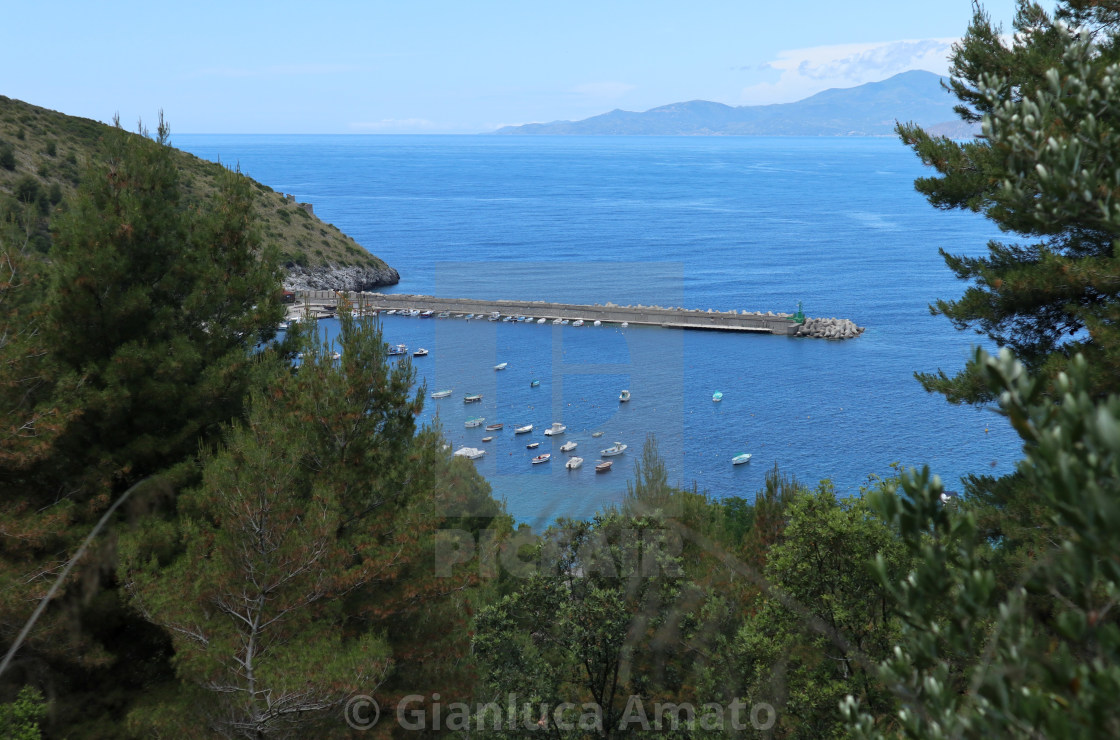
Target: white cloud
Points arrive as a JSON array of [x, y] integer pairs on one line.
[[804, 72]]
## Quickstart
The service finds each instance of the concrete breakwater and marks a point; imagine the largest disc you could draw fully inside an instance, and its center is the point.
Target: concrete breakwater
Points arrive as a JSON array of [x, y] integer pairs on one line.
[[670, 317]]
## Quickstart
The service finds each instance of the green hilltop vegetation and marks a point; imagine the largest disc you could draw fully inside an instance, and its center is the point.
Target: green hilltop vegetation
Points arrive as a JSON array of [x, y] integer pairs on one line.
[[201, 539], [43, 154]]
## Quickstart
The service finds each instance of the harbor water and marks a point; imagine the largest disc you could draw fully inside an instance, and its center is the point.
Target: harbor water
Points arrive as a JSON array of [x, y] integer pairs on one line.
[[721, 222]]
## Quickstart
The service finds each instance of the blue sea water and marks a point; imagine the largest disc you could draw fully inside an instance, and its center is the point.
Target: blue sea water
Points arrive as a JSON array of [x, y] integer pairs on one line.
[[701, 222]]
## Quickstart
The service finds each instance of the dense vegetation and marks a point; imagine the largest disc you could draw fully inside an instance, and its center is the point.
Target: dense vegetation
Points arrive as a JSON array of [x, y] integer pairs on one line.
[[43, 155], [277, 540]]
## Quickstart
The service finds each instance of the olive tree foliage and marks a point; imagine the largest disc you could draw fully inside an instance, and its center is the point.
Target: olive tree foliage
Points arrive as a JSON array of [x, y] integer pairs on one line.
[[1046, 171], [1036, 658]]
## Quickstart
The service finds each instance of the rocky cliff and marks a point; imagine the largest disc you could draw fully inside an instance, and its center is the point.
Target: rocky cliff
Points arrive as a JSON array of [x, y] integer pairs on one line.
[[333, 277]]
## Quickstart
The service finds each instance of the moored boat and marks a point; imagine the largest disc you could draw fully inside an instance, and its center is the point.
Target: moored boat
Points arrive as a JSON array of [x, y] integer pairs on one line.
[[501, 366], [493, 427], [577, 322], [596, 434], [534, 383], [442, 394], [573, 463], [740, 459], [475, 422], [597, 323], [542, 321], [616, 449], [624, 396], [471, 453], [472, 398], [487, 439], [556, 428], [532, 445], [603, 466], [541, 458], [426, 314], [568, 446], [420, 353], [717, 396], [523, 430]]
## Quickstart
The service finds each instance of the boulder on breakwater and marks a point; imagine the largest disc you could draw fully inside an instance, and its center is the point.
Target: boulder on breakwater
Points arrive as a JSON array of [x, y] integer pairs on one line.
[[831, 328]]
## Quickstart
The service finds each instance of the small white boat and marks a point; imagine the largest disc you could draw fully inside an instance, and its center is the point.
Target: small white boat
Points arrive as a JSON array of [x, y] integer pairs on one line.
[[501, 366], [624, 396], [420, 353], [565, 322], [625, 324], [556, 428], [426, 314], [573, 463], [283, 326], [443, 315], [493, 427], [568, 446], [602, 466], [556, 322], [717, 396], [523, 430], [534, 383], [442, 394], [542, 321], [577, 322], [472, 398], [598, 323], [541, 458], [616, 449], [532, 445], [740, 459], [487, 439], [475, 422], [596, 434], [469, 316], [471, 453]]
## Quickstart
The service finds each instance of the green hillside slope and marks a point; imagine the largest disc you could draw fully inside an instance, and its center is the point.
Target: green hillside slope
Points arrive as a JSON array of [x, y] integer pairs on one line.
[[43, 155]]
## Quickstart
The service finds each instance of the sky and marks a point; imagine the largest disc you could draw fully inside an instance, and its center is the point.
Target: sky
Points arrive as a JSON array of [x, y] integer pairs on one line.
[[437, 67]]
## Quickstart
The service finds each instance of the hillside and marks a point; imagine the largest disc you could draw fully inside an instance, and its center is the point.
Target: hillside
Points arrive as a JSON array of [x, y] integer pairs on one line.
[[866, 110], [42, 157]]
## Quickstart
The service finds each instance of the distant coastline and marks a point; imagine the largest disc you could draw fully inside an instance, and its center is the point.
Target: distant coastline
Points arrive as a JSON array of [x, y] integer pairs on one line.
[[872, 109]]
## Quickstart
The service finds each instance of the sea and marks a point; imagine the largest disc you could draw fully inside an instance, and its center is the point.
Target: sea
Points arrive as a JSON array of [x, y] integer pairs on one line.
[[757, 223]]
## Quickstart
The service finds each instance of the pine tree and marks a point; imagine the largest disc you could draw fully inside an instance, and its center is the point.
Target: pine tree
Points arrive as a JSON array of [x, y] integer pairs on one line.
[[1046, 172], [137, 344]]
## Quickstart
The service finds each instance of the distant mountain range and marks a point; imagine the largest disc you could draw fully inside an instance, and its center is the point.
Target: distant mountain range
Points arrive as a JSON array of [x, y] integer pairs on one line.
[[866, 110]]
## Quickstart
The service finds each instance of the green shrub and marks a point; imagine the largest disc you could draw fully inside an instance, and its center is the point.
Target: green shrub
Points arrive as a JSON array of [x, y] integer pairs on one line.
[[27, 189], [7, 157], [52, 148]]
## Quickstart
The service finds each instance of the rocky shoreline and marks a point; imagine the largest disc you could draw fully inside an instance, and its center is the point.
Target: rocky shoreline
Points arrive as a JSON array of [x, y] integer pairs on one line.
[[334, 277]]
